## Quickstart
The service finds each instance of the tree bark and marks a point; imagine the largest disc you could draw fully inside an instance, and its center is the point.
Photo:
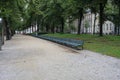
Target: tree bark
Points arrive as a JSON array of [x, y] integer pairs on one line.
[[53, 28], [42, 26], [2, 33], [32, 28], [119, 20], [80, 20], [94, 24], [12, 33], [62, 27], [7, 29], [115, 30], [118, 30], [38, 28], [101, 19], [47, 28]]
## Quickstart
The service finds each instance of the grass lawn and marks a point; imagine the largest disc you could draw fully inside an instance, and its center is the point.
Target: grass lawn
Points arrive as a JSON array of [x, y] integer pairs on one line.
[[107, 45]]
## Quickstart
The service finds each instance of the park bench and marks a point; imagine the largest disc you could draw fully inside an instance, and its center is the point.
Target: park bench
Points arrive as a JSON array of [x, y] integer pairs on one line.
[[64, 41]]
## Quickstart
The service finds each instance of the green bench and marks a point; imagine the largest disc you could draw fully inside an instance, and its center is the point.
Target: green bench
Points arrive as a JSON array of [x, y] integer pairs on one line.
[[64, 41]]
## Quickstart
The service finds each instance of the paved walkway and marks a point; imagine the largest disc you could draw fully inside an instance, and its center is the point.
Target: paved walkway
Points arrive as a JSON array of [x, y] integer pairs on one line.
[[28, 58]]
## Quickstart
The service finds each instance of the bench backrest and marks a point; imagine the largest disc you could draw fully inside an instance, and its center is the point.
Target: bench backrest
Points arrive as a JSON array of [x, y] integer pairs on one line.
[[63, 39]]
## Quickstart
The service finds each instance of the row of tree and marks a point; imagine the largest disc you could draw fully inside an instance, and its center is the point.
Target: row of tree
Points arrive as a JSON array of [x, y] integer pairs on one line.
[[11, 13], [51, 15]]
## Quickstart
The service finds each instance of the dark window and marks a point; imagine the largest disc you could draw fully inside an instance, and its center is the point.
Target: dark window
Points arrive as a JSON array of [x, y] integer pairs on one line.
[[107, 26], [110, 26]]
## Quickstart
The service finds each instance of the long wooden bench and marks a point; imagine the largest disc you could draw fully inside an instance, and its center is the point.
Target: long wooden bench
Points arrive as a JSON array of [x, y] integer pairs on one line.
[[64, 41]]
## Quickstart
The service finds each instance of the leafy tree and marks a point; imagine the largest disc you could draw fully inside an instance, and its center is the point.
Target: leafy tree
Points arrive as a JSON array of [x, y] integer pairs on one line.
[[11, 15], [117, 4], [112, 14], [86, 25]]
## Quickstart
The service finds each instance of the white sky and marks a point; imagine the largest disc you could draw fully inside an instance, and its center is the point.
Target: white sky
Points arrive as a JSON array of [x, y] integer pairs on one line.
[[0, 19]]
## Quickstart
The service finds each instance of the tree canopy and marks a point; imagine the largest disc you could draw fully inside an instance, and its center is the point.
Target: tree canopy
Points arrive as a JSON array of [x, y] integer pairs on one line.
[[51, 15]]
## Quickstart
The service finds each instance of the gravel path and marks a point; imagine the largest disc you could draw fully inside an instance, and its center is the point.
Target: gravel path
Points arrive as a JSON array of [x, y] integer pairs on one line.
[[29, 58]]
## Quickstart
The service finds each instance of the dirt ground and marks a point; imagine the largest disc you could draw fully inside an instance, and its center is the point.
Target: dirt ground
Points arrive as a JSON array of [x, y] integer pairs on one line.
[[29, 58]]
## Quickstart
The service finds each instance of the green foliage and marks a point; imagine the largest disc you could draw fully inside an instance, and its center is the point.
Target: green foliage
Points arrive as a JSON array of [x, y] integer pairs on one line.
[[24, 13], [112, 12], [87, 25], [13, 13]]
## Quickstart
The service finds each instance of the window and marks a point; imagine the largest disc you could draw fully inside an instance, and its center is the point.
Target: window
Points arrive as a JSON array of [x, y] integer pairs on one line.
[[110, 26], [107, 26]]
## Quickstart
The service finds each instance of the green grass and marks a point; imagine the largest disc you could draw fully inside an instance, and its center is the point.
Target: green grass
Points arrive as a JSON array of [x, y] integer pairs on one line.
[[107, 45]]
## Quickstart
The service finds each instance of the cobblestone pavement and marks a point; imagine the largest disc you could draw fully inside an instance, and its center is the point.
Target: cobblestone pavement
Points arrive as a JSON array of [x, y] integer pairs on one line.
[[29, 58]]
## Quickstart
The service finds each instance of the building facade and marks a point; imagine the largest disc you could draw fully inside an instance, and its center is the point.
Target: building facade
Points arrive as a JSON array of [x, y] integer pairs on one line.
[[90, 25]]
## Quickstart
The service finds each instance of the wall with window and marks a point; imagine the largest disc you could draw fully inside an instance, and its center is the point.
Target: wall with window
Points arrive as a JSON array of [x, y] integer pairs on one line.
[[108, 26]]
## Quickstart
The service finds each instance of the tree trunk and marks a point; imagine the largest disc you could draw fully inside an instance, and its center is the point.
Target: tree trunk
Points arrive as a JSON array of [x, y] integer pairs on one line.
[[118, 30], [53, 28], [94, 24], [2, 33], [86, 30], [115, 30], [32, 28], [101, 19], [38, 28], [7, 29], [42, 26], [12, 32], [119, 20], [80, 20], [62, 27], [57, 29], [47, 28], [26, 31]]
